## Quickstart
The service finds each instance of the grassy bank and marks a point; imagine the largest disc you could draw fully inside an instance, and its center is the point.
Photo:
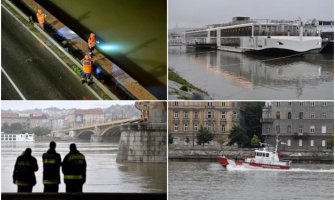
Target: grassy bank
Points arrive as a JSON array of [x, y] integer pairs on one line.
[[173, 76]]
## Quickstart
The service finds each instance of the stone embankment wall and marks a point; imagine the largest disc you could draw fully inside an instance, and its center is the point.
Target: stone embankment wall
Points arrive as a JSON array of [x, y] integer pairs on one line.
[[210, 154], [143, 143]]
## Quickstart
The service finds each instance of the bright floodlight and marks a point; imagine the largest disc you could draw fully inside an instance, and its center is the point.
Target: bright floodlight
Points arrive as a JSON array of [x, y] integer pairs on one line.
[[108, 47]]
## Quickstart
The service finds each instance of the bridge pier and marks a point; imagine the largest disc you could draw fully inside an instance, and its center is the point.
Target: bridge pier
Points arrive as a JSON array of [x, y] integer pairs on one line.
[[142, 142]]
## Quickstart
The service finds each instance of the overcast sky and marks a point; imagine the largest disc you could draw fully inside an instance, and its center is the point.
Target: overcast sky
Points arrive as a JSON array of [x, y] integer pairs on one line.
[[197, 13], [23, 105]]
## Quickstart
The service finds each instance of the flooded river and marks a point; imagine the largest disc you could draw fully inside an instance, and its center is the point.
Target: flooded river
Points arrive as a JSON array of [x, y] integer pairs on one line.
[[103, 173], [132, 33], [228, 75], [209, 180]]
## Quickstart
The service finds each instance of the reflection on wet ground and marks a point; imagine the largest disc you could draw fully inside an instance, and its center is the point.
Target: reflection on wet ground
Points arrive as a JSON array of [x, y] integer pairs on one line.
[[227, 75]]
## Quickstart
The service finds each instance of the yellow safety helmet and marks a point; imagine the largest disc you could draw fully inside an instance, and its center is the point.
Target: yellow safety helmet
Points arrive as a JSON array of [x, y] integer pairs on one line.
[[39, 10]]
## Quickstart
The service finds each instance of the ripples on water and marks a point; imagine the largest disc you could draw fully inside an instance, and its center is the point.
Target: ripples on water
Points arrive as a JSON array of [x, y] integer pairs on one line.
[[103, 173], [204, 180], [228, 75]]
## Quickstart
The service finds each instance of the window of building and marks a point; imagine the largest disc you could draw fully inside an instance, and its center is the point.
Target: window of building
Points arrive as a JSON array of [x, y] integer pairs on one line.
[[277, 115], [324, 104], [195, 127], [312, 115], [176, 127], [312, 103], [278, 129], [289, 103], [176, 103], [278, 104], [209, 114], [289, 143], [186, 103], [312, 129], [301, 103], [312, 143], [289, 115], [323, 143], [267, 130], [324, 129], [209, 103], [209, 127], [175, 115], [186, 127], [223, 115], [223, 128], [195, 114], [185, 114], [223, 104], [300, 142], [234, 114], [300, 130], [324, 115], [301, 115], [289, 129]]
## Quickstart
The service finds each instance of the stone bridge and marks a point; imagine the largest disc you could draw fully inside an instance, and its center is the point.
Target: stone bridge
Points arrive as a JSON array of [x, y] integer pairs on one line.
[[98, 131]]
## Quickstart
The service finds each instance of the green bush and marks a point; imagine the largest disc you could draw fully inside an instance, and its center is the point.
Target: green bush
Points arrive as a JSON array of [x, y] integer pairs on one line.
[[184, 87]]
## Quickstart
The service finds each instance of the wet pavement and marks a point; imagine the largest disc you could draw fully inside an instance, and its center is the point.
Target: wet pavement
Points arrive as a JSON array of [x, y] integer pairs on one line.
[[34, 70], [227, 75]]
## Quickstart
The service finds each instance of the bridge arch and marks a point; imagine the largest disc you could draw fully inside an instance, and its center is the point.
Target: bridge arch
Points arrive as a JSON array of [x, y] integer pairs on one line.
[[85, 134], [111, 132]]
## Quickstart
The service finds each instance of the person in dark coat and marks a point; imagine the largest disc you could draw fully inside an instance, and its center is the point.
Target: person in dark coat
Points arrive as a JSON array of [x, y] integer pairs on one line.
[[74, 170], [51, 167], [24, 172]]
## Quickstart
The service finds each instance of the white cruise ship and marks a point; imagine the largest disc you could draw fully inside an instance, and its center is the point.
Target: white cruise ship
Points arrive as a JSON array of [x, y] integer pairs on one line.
[[5, 137], [245, 35]]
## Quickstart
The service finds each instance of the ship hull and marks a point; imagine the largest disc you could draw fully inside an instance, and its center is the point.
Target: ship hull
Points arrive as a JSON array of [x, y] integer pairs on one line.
[[225, 162]]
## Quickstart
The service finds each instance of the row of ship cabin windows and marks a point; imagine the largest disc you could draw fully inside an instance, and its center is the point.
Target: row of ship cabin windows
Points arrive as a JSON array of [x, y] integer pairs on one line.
[[301, 115], [210, 115], [209, 104], [311, 103], [259, 30], [300, 129], [210, 127], [300, 143]]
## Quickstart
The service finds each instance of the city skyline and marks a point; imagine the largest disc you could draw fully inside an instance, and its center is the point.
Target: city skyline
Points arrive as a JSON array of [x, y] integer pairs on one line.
[[26, 105], [188, 13]]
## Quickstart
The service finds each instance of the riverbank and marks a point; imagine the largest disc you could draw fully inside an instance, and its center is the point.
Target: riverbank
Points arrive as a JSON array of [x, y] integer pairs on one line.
[[209, 154], [179, 88]]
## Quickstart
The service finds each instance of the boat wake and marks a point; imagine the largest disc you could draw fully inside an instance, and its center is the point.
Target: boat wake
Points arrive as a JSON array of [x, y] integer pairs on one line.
[[244, 168]]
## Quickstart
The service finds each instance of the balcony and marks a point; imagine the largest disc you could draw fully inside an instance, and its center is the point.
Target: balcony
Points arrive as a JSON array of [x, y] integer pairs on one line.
[[266, 120], [297, 135]]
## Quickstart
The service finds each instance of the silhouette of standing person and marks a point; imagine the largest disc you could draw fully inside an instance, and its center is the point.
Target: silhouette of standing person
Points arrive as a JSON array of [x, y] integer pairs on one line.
[[51, 167], [24, 171], [74, 170]]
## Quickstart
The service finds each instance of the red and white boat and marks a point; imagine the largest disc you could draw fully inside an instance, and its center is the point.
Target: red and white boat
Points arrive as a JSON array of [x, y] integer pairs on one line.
[[262, 158]]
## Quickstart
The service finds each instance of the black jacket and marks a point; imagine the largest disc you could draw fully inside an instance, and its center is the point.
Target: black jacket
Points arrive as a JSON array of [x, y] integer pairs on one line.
[[51, 167], [74, 166], [24, 170]]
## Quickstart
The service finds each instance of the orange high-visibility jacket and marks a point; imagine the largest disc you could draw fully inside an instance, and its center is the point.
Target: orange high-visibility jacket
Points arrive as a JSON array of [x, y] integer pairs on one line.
[[40, 17], [87, 66], [91, 41]]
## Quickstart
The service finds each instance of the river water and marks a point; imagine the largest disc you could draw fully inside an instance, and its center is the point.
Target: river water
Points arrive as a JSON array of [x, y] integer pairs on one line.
[[209, 180], [103, 173], [228, 75]]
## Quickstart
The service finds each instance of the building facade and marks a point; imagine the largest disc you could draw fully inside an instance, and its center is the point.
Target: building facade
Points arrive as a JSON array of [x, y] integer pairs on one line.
[[84, 117], [186, 117], [299, 125]]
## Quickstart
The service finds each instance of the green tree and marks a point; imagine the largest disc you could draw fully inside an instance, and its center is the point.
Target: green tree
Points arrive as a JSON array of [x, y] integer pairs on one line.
[[238, 135], [204, 136], [252, 116], [330, 141], [220, 140], [39, 131], [187, 140], [255, 141], [15, 128], [5, 127], [170, 139]]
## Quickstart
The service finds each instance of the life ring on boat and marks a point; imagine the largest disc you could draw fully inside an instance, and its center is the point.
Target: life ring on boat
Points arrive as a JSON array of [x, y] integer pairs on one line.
[[252, 160]]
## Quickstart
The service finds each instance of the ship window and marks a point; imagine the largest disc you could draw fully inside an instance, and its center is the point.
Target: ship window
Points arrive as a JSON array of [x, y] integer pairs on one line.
[[267, 155]]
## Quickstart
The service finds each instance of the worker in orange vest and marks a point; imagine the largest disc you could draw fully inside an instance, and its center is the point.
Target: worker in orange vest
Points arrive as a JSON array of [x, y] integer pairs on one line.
[[91, 44], [87, 69], [40, 18]]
